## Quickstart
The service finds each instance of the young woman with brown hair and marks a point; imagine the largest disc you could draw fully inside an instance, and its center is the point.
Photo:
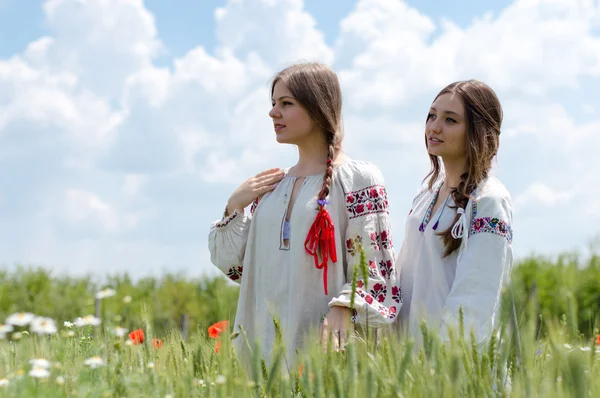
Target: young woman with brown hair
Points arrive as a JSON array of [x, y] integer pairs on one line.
[[457, 249], [294, 255]]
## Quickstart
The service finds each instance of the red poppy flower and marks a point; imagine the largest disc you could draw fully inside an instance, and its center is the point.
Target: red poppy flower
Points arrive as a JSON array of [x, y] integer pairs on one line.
[[215, 330], [137, 336], [598, 339], [157, 343]]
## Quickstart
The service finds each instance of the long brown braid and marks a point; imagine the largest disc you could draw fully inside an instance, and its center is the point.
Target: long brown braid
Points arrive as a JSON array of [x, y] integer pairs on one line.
[[317, 89], [484, 119], [328, 177]]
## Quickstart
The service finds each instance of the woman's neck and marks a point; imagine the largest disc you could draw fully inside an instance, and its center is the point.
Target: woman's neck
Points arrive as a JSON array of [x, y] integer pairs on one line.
[[312, 156], [453, 169]]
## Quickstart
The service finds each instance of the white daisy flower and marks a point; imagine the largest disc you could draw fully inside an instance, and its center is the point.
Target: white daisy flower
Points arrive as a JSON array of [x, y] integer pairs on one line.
[[108, 292], [150, 365], [568, 346], [6, 328], [39, 363], [120, 332], [127, 299], [40, 373], [3, 382], [20, 318], [94, 362], [585, 348], [60, 380], [41, 325], [68, 324], [199, 383], [220, 379], [88, 320]]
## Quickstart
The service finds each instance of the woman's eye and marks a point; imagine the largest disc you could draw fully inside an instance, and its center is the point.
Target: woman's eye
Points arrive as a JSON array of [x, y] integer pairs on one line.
[[430, 116]]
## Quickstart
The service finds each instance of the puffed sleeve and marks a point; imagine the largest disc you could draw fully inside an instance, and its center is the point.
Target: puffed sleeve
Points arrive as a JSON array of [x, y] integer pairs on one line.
[[483, 268], [227, 243], [378, 298]]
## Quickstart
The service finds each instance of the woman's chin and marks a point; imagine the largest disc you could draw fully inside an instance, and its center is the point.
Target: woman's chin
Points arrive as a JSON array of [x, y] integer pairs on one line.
[[433, 152], [282, 139]]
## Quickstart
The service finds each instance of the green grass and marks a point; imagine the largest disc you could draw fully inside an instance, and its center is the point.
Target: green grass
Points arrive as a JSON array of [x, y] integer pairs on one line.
[[545, 368], [554, 353]]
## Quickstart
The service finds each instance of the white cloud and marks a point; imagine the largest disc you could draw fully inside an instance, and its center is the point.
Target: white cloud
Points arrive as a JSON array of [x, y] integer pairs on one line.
[[103, 42], [82, 206], [530, 48], [281, 29], [540, 194]]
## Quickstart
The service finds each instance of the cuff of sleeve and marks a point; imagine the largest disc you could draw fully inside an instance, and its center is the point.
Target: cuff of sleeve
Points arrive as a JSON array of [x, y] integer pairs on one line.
[[357, 312], [234, 218]]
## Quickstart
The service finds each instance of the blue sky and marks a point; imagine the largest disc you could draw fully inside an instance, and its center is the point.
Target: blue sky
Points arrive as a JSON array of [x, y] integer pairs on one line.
[[125, 125]]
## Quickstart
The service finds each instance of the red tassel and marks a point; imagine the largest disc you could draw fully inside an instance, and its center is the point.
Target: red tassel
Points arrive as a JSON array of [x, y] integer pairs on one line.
[[321, 240]]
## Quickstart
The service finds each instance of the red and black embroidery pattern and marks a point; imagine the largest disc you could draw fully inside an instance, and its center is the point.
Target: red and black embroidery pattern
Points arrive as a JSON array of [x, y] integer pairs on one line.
[[235, 273], [369, 200], [386, 268], [397, 294], [382, 240], [379, 291], [253, 207], [224, 223]]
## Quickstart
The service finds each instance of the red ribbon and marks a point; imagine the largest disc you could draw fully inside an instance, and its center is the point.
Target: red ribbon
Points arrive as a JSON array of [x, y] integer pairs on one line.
[[321, 240]]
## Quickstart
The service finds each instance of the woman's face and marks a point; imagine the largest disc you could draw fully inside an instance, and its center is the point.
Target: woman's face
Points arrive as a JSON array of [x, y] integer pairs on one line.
[[446, 127], [291, 120]]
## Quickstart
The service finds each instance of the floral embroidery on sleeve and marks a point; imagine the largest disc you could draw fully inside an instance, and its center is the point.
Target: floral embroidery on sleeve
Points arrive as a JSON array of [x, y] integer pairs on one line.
[[383, 239], [353, 245], [396, 294], [368, 200], [235, 273], [387, 269], [492, 225]]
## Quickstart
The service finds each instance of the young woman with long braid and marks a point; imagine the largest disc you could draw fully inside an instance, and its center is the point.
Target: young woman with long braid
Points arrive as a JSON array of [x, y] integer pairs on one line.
[[457, 249], [295, 254]]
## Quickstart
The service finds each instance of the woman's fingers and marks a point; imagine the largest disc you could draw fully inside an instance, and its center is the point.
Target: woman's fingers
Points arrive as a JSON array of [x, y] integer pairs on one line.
[[343, 340], [335, 340], [267, 188], [324, 332], [269, 179], [266, 172]]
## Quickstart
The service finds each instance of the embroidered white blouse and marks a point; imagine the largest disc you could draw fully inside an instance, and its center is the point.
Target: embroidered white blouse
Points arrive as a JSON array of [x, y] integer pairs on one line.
[[433, 288], [283, 281]]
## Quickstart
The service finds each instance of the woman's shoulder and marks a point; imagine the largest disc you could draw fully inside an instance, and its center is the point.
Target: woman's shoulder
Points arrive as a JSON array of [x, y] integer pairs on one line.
[[359, 174], [492, 189]]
